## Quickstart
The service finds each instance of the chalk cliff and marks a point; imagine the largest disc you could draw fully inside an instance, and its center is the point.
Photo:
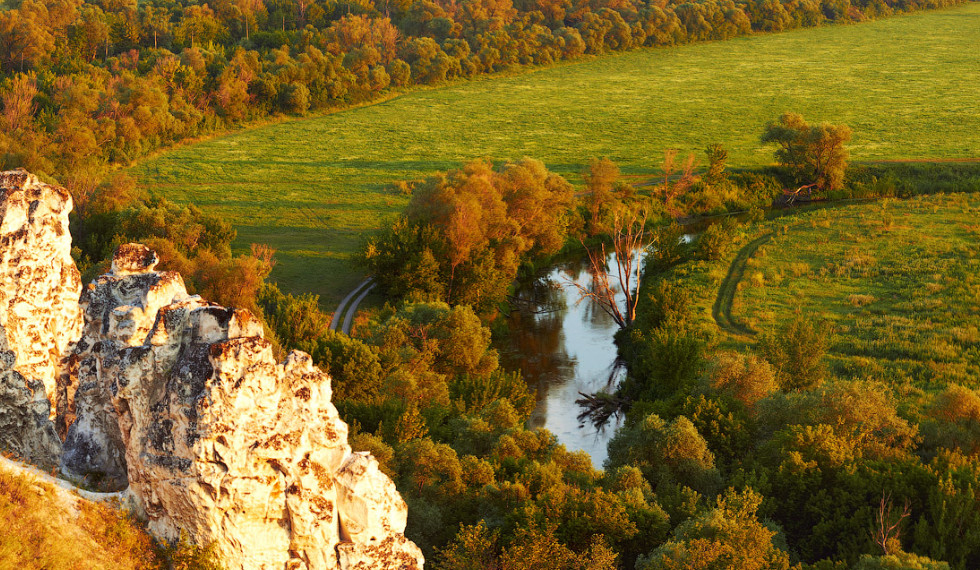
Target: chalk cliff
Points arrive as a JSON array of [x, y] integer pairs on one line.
[[39, 313], [119, 308], [184, 401]]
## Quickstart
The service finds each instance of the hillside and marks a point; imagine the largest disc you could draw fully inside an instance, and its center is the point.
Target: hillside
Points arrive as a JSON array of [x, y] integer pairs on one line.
[[311, 188], [53, 528]]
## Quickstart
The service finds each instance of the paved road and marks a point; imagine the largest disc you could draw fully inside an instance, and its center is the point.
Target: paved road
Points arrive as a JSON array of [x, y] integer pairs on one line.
[[352, 310]]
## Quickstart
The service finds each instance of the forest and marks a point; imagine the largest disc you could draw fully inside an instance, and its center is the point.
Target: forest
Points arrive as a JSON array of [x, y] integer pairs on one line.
[[88, 87], [765, 425]]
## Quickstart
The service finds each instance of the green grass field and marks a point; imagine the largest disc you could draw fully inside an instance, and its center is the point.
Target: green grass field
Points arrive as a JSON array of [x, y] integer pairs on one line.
[[899, 280], [311, 188]]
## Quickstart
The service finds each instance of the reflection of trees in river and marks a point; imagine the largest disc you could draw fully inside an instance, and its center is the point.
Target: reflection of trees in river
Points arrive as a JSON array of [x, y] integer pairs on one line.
[[582, 272], [536, 340]]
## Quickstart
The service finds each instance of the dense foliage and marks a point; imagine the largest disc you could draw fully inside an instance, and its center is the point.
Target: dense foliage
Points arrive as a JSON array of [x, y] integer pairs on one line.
[[89, 84], [815, 154], [840, 448], [192, 242], [466, 232]]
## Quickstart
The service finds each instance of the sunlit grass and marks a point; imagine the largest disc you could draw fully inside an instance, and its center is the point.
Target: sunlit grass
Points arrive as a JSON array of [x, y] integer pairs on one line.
[[49, 529], [899, 280], [311, 188]]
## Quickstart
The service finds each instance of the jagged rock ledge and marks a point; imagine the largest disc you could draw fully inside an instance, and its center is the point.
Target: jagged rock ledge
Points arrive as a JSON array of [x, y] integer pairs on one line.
[[183, 401]]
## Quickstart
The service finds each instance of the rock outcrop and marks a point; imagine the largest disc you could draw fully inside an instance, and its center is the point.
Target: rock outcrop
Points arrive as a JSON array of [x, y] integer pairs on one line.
[[120, 308], [25, 428], [39, 314], [237, 450], [182, 400]]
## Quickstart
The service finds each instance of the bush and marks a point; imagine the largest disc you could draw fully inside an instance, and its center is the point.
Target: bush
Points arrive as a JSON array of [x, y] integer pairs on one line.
[[666, 453], [663, 360], [796, 352], [716, 241], [746, 378], [294, 98]]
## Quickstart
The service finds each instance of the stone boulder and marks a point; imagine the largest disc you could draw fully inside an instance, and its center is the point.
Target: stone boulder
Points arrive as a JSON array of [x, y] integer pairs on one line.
[[39, 313]]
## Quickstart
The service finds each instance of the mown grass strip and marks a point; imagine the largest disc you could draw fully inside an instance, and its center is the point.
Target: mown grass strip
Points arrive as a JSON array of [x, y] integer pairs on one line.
[[722, 309]]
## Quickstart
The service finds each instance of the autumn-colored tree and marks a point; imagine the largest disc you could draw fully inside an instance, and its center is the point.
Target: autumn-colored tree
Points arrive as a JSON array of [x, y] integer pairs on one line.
[[746, 378], [18, 101], [481, 223], [815, 154], [600, 180]]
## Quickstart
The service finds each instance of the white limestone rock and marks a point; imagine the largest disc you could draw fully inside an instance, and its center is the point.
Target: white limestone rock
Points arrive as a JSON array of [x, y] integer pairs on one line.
[[25, 428], [39, 314], [239, 451], [372, 518], [183, 401], [120, 309]]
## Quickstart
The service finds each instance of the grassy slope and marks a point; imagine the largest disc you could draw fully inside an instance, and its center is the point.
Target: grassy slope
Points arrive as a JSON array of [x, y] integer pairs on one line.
[[900, 281], [311, 188], [44, 530]]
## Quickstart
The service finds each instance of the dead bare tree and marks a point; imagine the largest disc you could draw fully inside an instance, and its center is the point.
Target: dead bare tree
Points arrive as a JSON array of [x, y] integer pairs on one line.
[[791, 196], [887, 528], [627, 239]]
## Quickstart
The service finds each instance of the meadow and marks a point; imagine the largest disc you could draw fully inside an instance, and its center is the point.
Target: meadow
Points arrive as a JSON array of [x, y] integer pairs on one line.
[[312, 188], [898, 280]]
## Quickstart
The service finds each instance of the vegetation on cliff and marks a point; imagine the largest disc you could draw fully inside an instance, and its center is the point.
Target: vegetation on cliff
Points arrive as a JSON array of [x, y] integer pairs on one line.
[[49, 528]]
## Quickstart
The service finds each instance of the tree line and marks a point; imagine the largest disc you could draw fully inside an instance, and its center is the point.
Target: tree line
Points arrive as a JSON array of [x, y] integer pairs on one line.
[[87, 85]]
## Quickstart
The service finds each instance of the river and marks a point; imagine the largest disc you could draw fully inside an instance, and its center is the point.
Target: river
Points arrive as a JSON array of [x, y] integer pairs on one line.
[[563, 346]]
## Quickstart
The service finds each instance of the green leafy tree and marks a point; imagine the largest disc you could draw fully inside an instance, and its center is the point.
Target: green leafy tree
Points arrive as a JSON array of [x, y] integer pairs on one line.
[[728, 536], [796, 352], [666, 452], [717, 159], [815, 154]]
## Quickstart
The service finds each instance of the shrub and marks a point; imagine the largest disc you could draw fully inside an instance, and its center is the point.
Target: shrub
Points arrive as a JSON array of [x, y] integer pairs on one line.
[[666, 453], [746, 378], [796, 352], [715, 242]]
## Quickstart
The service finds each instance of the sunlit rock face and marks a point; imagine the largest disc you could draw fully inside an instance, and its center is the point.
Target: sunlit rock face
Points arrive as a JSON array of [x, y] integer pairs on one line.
[[241, 451], [120, 308], [25, 428], [183, 401], [219, 440], [39, 314]]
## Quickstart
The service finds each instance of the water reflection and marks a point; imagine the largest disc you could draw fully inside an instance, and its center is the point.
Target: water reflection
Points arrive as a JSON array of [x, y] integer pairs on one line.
[[563, 347]]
